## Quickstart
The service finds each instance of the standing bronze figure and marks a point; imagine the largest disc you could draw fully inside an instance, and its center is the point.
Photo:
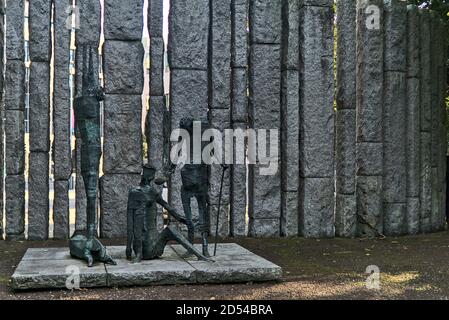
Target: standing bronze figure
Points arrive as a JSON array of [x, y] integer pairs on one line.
[[87, 116], [143, 235]]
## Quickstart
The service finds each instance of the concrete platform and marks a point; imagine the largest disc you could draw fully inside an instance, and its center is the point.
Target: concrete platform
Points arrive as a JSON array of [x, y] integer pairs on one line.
[[53, 268]]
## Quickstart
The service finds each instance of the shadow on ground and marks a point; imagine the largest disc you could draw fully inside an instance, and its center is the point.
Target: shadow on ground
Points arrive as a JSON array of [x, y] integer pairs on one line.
[[411, 268]]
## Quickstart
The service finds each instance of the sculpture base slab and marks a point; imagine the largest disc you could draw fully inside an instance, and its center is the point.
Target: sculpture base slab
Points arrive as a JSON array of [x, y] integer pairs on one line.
[[53, 268]]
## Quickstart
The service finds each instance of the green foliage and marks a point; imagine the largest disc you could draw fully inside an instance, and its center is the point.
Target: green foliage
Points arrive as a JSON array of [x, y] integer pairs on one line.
[[441, 6]]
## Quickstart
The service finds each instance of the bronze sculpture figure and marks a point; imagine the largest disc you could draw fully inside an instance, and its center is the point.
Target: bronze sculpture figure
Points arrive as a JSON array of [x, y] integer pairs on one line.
[[143, 235], [87, 117]]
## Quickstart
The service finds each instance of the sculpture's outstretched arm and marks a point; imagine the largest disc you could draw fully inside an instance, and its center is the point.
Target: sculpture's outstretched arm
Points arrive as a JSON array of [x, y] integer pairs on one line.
[[172, 211]]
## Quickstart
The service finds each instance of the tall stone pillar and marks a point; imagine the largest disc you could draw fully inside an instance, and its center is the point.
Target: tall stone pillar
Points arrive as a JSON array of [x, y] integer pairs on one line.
[[394, 117], [316, 218], [265, 23], [239, 114], [39, 22], [123, 84], [413, 136], [346, 205], [290, 118], [2, 110], [369, 112], [426, 118], [62, 162], [14, 125], [189, 24], [220, 82]]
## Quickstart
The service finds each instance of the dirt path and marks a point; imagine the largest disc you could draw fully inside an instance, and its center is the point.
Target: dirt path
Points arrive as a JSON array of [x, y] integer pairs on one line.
[[411, 268]]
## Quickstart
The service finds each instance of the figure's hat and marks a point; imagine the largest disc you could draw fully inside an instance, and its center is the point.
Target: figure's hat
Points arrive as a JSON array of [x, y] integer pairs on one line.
[[149, 170]]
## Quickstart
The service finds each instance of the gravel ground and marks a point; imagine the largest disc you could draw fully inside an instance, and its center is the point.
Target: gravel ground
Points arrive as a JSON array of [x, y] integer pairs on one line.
[[410, 268]]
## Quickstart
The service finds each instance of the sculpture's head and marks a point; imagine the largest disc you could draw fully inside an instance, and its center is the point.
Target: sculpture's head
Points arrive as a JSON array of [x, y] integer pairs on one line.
[[148, 174], [90, 80]]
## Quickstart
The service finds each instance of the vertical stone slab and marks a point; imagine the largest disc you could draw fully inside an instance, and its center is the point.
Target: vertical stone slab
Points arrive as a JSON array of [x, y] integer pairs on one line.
[[369, 117], [265, 21], [413, 135], [39, 24], [239, 9], [345, 209], [155, 18], [123, 84], [317, 119], [189, 26], [61, 120], [2, 111], [38, 203], [157, 68], [264, 113], [14, 126], [154, 126]]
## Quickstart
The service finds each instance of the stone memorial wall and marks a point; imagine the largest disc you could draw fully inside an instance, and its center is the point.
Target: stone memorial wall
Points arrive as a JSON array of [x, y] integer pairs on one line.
[[362, 144]]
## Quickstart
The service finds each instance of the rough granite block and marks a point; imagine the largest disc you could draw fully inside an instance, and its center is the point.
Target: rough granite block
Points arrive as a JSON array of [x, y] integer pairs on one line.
[[239, 19], [316, 208], [369, 95], [264, 228], [345, 155], [15, 85], [220, 51], [15, 143], [290, 130], [61, 217], [317, 91], [239, 99], [264, 194], [114, 199], [413, 137], [223, 221], [14, 30], [157, 67], [320, 3], [15, 207], [395, 122], [122, 145], [413, 42], [39, 112], [369, 206], [39, 24], [289, 214], [155, 18], [238, 198], [426, 89], [155, 131], [369, 159], [395, 21], [38, 189], [425, 182], [90, 21], [62, 44], [346, 215], [122, 65], [395, 219], [265, 21], [62, 153], [413, 215], [290, 35], [123, 20], [189, 34]]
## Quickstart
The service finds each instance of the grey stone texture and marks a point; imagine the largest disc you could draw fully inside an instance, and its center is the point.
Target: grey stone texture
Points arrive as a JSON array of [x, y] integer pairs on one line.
[[369, 206], [290, 130], [345, 151], [47, 269], [319, 3], [345, 215], [114, 190], [122, 65], [223, 220], [316, 208], [15, 207], [155, 18], [157, 67], [239, 99], [15, 144], [15, 85], [39, 112], [425, 182], [369, 159], [289, 214], [264, 228], [413, 42], [122, 134], [61, 217], [62, 47], [369, 96], [38, 189], [39, 24], [238, 196], [14, 30], [395, 178], [395, 21], [413, 215], [426, 110], [220, 55], [189, 34], [123, 20], [317, 91], [290, 34], [413, 137], [80, 201], [90, 20], [265, 21], [61, 145], [155, 131], [395, 219], [239, 20]]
